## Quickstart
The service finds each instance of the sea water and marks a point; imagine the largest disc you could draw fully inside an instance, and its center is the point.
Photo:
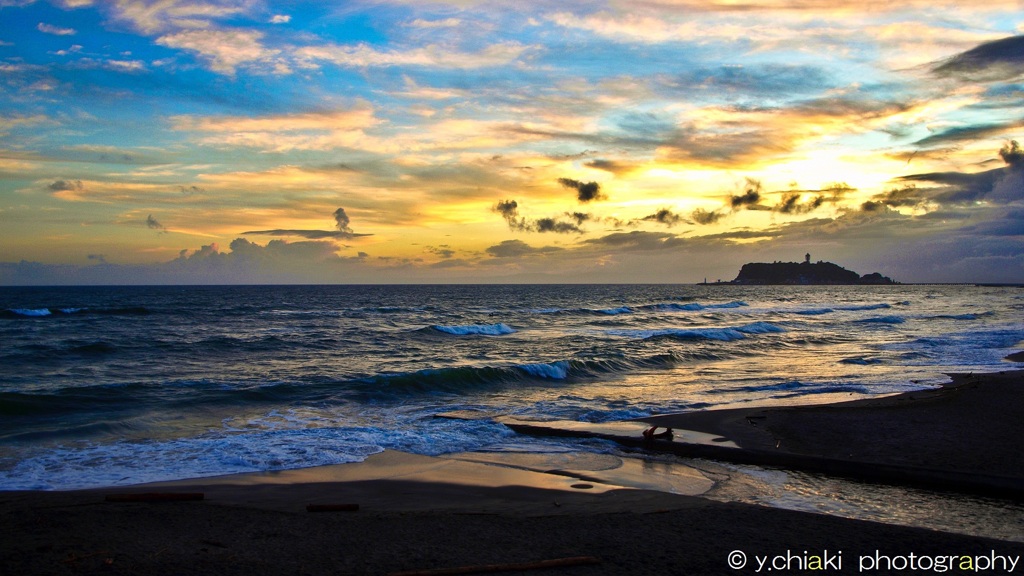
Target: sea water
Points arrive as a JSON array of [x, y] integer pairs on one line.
[[105, 386]]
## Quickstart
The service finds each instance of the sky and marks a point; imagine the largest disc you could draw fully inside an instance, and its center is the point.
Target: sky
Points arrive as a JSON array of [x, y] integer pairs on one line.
[[408, 141]]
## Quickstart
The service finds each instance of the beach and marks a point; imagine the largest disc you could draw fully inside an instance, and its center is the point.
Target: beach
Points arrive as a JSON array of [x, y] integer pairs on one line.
[[418, 513], [650, 533], [959, 435]]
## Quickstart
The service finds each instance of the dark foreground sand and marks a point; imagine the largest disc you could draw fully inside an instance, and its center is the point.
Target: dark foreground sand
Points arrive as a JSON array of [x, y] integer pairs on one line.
[[419, 513], [630, 533]]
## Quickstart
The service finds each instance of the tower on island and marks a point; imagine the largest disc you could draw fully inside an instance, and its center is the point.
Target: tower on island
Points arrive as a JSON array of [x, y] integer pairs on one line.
[[807, 258]]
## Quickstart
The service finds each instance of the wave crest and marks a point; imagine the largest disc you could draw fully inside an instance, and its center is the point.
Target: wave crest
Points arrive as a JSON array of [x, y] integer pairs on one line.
[[499, 329], [884, 320], [15, 313]]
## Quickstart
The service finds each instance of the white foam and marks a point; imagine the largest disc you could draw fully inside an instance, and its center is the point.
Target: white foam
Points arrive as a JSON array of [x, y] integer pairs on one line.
[[616, 311], [733, 304], [276, 442], [760, 328], [552, 371], [32, 311]]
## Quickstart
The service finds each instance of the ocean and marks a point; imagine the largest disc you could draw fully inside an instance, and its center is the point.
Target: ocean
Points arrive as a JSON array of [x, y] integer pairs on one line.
[[105, 386]]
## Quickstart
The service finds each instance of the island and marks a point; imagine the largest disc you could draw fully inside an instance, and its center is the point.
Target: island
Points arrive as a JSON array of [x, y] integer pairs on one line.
[[762, 273]]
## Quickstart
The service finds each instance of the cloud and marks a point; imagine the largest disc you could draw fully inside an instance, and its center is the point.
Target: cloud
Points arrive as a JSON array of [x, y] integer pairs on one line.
[[579, 217], [958, 187], [760, 11], [9, 123], [243, 250], [432, 56], [445, 23], [657, 117], [509, 210], [1000, 185], [56, 31], [968, 245], [128, 191], [628, 27], [343, 232], [324, 130], [738, 82], [342, 220], [247, 263], [225, 50], [970, 132], [153, 224], [637, 239], [153, 16], [999, 60], [873, 206], [752, 28], [749, 136], [749, 199], [354, 118], [518, 249], [308, 234], [613, 166], [444, 251], [908, 196], [790, 204], [666, 217], [585, 191], [1012, 154], [705, 217], [1010, 188], [555, 225], [125, 65], [66, 186]]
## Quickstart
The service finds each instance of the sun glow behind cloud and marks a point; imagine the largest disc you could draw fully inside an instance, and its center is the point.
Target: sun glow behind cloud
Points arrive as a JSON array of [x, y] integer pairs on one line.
[[468, 141]]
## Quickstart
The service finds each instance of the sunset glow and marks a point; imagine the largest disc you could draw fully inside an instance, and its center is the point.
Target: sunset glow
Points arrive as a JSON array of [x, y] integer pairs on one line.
[[222, 141]]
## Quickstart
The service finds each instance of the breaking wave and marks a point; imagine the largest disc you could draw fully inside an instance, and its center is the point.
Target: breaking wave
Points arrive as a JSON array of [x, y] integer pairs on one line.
[[476, 329]]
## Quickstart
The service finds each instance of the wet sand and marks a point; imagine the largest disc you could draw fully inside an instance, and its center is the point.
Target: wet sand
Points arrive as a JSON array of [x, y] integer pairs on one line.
[[967, 429], [419, 513], [486, 515]]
